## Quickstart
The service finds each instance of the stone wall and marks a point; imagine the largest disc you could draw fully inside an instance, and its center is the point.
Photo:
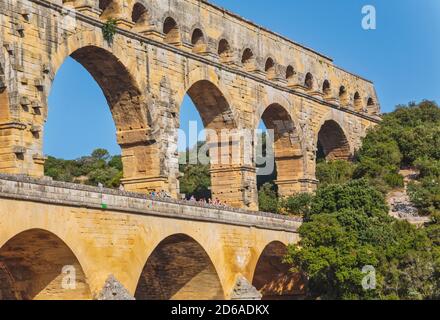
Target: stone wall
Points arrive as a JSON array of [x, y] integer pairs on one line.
[[141, 244]]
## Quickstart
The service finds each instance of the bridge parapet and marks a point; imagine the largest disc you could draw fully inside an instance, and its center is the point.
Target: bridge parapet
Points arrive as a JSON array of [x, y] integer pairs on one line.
[[25, 188], [150, 249]]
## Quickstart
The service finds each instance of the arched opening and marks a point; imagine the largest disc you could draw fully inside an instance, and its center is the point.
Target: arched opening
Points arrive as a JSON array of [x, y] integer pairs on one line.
[[100, 79], [343, 96], [195, 176], [357, 101], [269, 68], [139, 16], [326, 89], [370, 102], [248, 59], [273, 278], [224, 51], [103, 4], [290, 73], [287, 151], [198, 41], [332, 142], [211, 157], [37, 265], [107, 8], [309, 81], [179, 269], [171, 31]]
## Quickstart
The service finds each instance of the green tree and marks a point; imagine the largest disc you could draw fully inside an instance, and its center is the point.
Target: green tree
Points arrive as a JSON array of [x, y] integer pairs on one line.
[[349, 228], [334, 172], [268, 199], [97, 168], [196, 178]]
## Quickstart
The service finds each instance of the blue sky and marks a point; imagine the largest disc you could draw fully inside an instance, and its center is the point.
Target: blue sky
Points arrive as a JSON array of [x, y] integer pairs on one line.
[[402, 57]]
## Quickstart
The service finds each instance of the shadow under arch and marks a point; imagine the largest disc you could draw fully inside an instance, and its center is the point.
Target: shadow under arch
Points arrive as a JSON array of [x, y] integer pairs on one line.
[[36, 264], [179, 269], [333, 142], [273, 278], [287, 147]]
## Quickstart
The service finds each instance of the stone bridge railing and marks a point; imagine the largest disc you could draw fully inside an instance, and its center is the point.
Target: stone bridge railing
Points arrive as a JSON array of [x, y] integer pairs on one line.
[[45, 190]]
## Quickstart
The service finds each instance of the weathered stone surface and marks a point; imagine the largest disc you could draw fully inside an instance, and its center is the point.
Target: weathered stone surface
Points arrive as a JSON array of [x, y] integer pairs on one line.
[[114, 290], [243, 290], [158, 55]]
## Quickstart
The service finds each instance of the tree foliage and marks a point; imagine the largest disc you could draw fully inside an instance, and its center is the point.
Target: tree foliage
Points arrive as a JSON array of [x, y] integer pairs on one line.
[[196, 178], [99, 167], [349, 228]]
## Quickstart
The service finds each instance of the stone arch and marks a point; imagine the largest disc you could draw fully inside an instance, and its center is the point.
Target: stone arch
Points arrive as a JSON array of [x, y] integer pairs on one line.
[[288, 148], [326, 88], [370, 102], [34, 263], [198, 39], [224, 138], [290, 73], [112, 69], [309, 81], [179, 268], [122, 93], [109, 66], [343, 96], [216, 93], [140, 15], [248, 59], [109, 8], [225, 51], [357, 101], [269, 68], [213, 106], [171, 31], [273, 278], [333, 140]]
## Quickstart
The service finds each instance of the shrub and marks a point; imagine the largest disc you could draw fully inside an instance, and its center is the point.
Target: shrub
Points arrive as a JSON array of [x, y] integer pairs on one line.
[[297, 205], [268, 199], [109, 29], [334, 172]]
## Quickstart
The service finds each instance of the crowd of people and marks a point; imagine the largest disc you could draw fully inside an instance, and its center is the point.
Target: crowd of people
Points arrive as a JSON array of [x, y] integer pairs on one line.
[[212, 202], [163, 195]]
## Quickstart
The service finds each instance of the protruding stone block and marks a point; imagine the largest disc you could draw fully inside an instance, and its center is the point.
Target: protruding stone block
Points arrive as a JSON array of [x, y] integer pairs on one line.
[[114, 290], [243, 290]]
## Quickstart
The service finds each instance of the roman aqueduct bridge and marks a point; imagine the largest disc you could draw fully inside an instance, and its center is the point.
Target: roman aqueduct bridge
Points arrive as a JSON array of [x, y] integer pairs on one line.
[[122, 244], [236, 72]]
